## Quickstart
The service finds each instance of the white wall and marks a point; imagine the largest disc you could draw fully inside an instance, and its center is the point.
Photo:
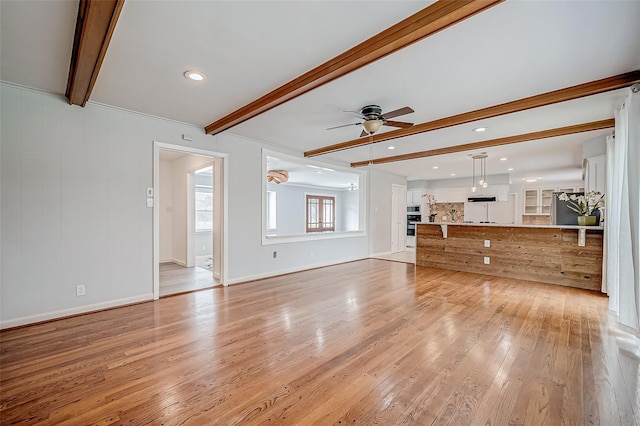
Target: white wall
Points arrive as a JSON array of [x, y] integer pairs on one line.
[[73, 199], [291, 208], [249, 259], [380, 209], [181, 198], [73, 206], [165, 206]]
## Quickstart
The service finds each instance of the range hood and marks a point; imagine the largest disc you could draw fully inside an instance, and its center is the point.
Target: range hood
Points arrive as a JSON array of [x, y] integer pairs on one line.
[[480, 199]]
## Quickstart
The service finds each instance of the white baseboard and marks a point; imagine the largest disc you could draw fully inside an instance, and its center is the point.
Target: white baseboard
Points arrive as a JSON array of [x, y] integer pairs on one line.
[[179, 262], [74, 311], [290, 270], [386, 253]]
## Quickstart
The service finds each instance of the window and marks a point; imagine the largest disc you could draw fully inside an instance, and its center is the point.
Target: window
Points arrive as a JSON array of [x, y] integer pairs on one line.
[[204, 208], [321, 213], [271, 210]]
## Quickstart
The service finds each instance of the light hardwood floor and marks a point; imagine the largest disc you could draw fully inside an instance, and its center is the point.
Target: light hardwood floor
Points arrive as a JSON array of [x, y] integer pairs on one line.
[[176, 279], [367, 342], [407, 256]]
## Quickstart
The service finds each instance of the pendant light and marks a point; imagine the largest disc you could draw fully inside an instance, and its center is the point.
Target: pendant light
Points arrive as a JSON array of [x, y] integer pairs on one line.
[[482, 182], [473, 176]]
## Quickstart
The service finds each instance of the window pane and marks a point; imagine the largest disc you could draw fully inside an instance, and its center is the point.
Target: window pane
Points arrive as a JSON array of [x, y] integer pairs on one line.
[[204, 208], [271, 210]]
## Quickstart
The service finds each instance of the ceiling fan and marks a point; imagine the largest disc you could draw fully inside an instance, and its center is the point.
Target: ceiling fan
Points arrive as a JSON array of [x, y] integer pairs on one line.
[[374, 119]]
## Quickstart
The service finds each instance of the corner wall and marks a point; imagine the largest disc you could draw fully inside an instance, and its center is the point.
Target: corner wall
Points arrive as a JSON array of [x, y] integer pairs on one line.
[[73, 207]]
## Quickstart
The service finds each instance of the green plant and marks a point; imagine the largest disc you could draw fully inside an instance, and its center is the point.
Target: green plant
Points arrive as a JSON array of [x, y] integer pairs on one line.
[[583, 204]]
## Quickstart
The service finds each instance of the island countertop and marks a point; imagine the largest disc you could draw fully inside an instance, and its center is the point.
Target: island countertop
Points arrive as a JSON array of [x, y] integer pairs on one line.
[[568, 255], [511, 225]]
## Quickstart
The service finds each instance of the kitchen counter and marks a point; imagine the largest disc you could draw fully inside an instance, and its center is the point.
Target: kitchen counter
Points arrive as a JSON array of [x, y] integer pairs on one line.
[[568, 255], [511, 225]]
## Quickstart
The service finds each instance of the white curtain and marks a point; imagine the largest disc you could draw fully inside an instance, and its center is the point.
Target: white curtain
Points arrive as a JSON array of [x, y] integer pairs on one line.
[[622, 238]]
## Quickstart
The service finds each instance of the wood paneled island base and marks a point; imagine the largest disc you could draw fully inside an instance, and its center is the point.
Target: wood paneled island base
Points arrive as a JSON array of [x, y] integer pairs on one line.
[[548, 254]]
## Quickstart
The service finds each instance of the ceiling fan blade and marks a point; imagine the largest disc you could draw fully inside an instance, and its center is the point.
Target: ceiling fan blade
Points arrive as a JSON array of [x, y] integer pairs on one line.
[[398, 112], [402, 124], [358, 113], [344, 125], [364, 134]]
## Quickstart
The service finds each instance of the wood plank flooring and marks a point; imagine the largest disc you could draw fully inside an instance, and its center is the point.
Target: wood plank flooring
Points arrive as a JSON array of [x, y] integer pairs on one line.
[[407, 256], [367, 342], [180, 279]]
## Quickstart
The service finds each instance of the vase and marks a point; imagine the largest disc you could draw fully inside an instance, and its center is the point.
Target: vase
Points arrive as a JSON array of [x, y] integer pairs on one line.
[[586, 220], [432, 219]]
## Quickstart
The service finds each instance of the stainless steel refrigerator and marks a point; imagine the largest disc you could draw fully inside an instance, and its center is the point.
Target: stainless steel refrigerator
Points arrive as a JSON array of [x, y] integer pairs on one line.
[[561, 214]]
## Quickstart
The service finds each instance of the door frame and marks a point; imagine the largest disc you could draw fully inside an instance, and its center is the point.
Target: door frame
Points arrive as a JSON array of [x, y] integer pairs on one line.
[[223, 159], [402, 238]]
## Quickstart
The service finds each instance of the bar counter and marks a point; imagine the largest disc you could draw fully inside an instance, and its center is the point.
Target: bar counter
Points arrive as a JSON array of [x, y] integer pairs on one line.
[[555, 254]]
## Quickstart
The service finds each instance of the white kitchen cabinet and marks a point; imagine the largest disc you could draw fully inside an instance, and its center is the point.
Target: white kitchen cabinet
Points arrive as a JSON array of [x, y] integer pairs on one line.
[[493, 212], [595, 174], [456, 195], [414, 196], [502, 192], [538, 200], [439, 193]]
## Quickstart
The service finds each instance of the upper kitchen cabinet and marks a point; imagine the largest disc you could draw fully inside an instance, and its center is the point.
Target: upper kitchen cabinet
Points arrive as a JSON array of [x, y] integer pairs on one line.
[[538, 200], [414, 196], [449, 195], [594, 173]]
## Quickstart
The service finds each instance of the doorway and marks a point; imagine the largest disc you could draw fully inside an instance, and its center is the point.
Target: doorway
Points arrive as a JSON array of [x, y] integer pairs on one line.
[[189, 219], [398, 218]]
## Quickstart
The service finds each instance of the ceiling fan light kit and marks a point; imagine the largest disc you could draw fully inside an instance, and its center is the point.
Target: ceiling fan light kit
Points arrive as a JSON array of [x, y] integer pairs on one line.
[[372, 126]]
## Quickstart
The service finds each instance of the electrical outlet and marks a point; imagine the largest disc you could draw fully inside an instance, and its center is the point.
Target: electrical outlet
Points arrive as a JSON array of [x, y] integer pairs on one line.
[[275, 254], [80, 290], [487, 260], [487, 243]]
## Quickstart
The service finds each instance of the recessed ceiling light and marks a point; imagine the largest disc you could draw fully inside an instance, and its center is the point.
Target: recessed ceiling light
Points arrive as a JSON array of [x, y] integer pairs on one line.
[[510, 169], [435, 167], [503, 159], [391, 147], [452, 174], [480, 129], [194, 75], [312, 166], [319, 172], [530, 180]]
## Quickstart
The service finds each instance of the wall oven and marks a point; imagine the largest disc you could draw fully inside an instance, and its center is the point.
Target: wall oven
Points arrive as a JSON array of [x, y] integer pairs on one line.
[[413, 209], [411, 227]]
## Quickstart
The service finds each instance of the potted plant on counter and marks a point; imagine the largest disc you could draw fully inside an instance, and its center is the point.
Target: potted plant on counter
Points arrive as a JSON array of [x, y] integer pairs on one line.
[[584, 205], [430, 200]]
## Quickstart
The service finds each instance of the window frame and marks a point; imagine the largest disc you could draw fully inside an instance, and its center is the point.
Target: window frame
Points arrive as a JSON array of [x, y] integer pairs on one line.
[[363, 214], [321, 210]]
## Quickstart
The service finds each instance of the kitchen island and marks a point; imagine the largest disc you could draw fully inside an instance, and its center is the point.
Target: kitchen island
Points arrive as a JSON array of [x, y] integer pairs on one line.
[[555, 254]]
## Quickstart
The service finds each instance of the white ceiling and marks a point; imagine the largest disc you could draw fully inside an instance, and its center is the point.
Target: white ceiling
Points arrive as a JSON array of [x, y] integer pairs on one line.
[[513, 50]]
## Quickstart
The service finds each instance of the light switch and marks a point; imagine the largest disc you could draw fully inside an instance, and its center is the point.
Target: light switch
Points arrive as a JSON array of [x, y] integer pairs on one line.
[[149, 202], [149, 192], [487, 243]]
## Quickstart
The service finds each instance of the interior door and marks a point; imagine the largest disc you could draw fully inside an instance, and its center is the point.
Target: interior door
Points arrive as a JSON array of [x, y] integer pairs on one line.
[[398, 218]]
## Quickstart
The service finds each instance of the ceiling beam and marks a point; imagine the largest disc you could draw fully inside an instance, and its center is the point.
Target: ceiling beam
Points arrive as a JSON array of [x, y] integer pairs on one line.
[[560, 131], [428, 21], [561, 95], [94, 26]]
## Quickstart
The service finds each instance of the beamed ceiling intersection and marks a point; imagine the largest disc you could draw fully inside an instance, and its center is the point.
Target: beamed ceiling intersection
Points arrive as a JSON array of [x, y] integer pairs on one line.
[[97, 20]]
